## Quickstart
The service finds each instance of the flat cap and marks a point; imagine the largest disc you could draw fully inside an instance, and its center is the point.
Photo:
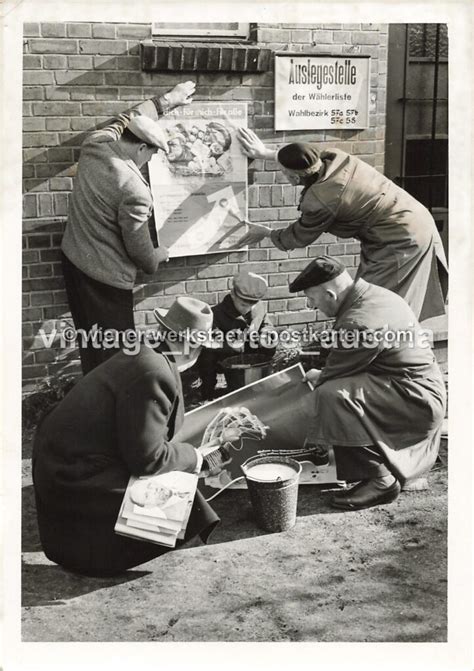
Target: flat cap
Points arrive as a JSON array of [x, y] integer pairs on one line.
[[320, 270], [148, 131], [249, 286], [301, 157]]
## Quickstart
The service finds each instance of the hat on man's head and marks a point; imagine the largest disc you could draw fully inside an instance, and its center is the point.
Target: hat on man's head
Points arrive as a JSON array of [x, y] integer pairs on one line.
[[249, 286], [300, 157], [320, 270], [186, 316], [149, 131]]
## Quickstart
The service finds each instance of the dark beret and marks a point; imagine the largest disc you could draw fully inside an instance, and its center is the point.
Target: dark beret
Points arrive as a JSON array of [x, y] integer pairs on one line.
[[320, 270], [298, 156]]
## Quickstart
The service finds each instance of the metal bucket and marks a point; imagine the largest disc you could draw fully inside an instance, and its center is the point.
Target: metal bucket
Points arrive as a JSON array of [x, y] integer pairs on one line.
[[243, 369], [272, 484]]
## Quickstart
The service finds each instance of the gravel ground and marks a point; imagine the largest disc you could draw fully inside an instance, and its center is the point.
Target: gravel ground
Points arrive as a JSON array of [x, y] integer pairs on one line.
[[373, 575]]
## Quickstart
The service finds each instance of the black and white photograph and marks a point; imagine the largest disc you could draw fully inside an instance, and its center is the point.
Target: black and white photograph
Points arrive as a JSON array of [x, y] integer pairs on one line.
[[238, 384]]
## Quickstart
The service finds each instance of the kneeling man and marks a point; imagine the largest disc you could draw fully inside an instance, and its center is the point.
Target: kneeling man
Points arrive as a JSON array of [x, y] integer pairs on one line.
[[120, 419], [380, 399]]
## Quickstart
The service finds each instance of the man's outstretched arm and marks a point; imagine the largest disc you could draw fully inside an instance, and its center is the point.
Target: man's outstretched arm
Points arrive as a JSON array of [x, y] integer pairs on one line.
[[153, 108]]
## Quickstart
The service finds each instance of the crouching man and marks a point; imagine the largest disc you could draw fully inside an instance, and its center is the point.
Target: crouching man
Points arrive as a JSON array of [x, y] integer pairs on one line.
[[118, 420], [380, 399], [242, 319]]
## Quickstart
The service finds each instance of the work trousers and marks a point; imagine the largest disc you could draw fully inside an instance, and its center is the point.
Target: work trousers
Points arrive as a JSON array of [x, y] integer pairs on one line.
[[94, 303], [359, 463]]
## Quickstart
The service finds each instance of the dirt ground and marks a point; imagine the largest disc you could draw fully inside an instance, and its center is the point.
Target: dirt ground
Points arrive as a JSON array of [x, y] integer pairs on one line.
[[373, 575]]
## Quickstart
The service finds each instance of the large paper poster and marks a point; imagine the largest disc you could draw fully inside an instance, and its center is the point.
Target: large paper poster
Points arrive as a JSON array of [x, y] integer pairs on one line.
[[285, 404], [200, 187], [315, 92]]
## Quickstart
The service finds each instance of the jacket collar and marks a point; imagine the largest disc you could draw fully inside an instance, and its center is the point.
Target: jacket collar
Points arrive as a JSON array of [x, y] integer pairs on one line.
[[121, 153], [231, 311], [357, 290]]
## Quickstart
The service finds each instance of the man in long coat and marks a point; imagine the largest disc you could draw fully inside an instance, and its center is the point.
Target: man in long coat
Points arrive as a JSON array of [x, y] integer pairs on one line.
[[380, 399], [401, 248], [117, 421], [107, 239]]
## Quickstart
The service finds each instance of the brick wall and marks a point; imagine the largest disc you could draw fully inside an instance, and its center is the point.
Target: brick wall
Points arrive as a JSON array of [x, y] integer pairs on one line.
[[78, 75]]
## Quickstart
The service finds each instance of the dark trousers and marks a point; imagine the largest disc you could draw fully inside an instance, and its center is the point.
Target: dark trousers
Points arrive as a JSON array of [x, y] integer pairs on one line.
[[359, 463], [92, 302], [208, 366]]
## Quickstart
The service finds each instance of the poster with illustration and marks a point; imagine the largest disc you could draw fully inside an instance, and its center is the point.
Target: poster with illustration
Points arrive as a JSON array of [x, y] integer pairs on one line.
[[200, 187], [284, 404]]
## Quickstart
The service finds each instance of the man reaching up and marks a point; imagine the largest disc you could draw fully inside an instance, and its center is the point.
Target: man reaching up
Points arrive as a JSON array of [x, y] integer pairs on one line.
[[107, 238]]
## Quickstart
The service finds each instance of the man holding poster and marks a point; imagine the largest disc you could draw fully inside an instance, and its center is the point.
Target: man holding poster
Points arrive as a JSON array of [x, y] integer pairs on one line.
[[380, 399], [107, 238], [401, 249]]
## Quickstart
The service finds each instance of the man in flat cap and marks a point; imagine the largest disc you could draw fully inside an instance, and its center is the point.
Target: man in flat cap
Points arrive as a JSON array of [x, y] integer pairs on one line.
[[243, 323], [107, 239], [380, 398]]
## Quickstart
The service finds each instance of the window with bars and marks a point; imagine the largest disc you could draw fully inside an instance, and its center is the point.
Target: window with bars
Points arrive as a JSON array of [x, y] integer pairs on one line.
[[422, 40], [417, 111]]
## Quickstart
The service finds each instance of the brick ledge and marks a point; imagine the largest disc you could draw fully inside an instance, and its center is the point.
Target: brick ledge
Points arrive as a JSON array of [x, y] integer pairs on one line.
[[204, 57]]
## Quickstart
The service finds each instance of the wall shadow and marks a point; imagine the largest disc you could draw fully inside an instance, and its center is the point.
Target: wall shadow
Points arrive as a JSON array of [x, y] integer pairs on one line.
[[42, 236]]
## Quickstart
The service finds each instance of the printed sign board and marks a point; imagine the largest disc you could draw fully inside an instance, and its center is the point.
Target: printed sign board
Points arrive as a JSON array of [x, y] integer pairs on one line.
[[200, 187], [321, 92]]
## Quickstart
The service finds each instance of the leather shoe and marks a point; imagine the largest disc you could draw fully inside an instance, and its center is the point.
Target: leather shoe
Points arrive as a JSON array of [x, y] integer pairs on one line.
[[365, 495]]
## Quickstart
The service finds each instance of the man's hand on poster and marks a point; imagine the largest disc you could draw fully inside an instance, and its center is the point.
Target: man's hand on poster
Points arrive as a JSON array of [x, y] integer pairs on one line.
[[255, 233], [252, 146], [163, 254], [181, 94], [312, 376]]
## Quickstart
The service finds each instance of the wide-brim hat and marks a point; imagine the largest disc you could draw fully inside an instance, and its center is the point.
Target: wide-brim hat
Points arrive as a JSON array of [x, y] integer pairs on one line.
[[148, 131], [190, 318]]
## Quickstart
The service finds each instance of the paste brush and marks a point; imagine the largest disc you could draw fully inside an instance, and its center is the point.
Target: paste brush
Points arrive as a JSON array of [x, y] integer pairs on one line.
[[216, 460]]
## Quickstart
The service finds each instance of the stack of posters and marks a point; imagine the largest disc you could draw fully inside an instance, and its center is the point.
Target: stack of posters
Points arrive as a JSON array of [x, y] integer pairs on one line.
[[157, 508]]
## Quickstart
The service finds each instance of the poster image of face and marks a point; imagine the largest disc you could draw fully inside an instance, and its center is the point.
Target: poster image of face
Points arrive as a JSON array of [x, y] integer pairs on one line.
[[200, 187], [201, 150]]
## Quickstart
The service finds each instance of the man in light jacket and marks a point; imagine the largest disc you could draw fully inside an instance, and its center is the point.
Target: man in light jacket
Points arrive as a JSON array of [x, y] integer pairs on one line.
[[107, 239]]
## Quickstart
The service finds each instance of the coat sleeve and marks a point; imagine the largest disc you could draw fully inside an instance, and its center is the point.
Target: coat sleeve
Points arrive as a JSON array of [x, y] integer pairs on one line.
[[143, 411], [134, 212], [352, 352], [152, 108], [304, 230]]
